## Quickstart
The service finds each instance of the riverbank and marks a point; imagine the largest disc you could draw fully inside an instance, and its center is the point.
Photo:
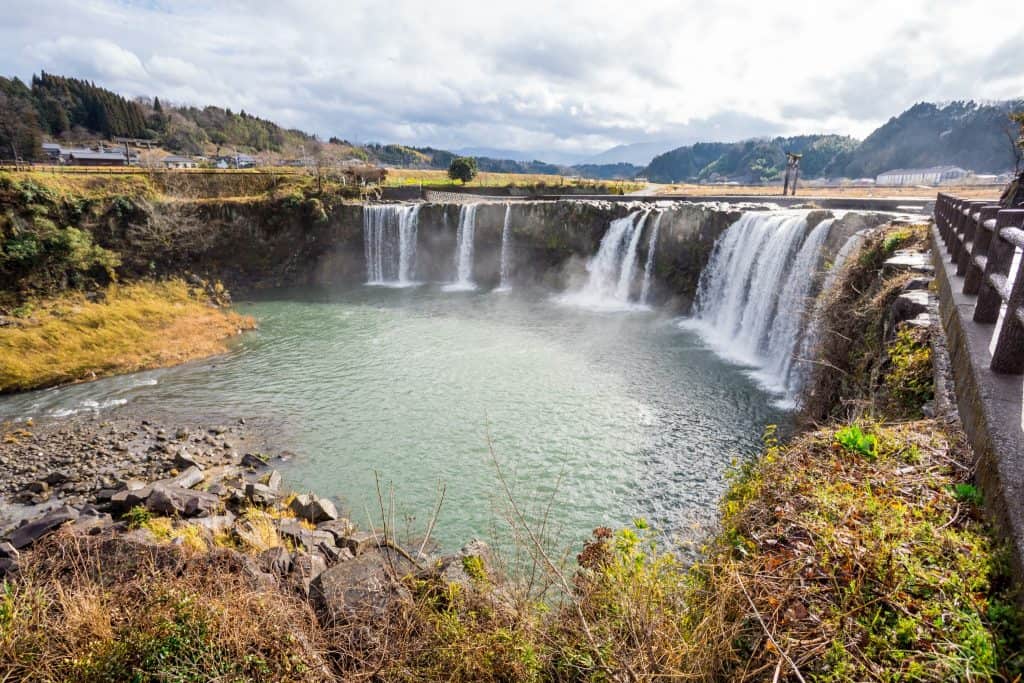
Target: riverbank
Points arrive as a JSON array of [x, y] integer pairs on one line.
[[78, 336]]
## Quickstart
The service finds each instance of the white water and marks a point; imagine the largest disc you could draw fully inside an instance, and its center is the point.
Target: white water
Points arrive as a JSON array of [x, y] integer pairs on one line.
[[389, 240], [464, 250], [611, 269], [790, 318], [752, 298], [652, 243], [506, 233]]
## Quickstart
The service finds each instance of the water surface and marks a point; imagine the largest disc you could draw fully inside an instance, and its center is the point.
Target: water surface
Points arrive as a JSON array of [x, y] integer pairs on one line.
[[604, 416]]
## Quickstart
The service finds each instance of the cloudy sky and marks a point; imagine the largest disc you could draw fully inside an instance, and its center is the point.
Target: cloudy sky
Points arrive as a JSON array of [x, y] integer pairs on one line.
[[552, 77]]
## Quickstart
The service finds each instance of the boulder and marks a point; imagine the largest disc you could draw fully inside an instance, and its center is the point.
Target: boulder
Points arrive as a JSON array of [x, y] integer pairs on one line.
[[253, 461], [305, 569], [276, 561], [274, 480], [216, 523], [187, 479], [30, 532], [8, 550], [474, 563], [175, 500], [298, 534], [125, 500], [183, 460], [260, 494], [906, 260], [313, 508], [367, 582], [358, 542], [339, 528]]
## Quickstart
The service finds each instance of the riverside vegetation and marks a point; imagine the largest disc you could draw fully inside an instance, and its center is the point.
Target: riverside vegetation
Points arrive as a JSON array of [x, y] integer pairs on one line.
[[856, 551]]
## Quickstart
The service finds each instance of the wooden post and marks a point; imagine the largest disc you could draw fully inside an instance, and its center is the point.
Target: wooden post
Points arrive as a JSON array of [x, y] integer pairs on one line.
[[792, 171]]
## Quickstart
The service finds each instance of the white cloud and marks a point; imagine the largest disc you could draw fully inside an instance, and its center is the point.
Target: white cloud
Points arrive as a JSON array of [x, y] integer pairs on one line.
[[570, 76]]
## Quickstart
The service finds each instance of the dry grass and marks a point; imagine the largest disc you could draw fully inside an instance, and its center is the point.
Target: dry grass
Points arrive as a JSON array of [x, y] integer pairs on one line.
[[84, 185], [89, 610], [967, 191], [136, 327], [410, 176]]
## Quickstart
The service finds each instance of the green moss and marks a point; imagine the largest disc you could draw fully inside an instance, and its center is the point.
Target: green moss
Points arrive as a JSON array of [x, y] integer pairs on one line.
[[474, 567], [909, 380]]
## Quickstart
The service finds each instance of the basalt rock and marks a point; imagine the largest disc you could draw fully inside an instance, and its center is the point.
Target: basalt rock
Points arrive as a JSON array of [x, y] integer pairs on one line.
[[30, 532], [313, 508], [181, 502], [366, 583]]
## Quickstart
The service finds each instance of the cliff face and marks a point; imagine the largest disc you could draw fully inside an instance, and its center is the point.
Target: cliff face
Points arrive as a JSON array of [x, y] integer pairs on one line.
[[54, 239], [272, 242]]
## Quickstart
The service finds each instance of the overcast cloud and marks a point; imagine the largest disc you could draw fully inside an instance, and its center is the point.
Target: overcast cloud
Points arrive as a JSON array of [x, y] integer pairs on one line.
[[551, 77]]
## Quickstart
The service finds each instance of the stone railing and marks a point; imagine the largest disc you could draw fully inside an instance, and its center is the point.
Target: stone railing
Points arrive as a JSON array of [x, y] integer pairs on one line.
[[984, 241], [976, 247]]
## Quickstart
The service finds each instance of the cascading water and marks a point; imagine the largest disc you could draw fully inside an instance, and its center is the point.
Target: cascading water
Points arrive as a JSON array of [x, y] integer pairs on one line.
[[652, 243], [751, 301], [506, 234], [790, 318], [389, 239], [611, 270], [464, 250]]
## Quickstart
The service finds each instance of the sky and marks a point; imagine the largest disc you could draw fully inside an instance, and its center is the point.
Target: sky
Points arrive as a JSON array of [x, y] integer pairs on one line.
[[561, 79]]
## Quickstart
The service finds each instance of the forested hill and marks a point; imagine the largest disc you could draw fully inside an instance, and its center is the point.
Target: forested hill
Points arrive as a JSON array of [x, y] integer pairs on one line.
[[966, 134], [749, 161], [974, 136], [76, 110]]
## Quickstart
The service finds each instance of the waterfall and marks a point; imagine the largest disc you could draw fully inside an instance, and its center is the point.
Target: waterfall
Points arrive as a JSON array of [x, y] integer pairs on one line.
[[506, 230], [812, 328], [611, 269], [786, 328], [751, 301], [464, 249], [389, 241], [652, 243]]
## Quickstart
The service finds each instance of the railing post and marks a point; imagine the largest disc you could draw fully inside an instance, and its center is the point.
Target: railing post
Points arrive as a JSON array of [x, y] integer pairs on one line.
[[997, 268], [978, 257], [1008, 351]]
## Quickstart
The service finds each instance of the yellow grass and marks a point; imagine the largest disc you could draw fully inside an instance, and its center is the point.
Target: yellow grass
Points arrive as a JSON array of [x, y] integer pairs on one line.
[[137, 327], [966, 191], [412, 176]]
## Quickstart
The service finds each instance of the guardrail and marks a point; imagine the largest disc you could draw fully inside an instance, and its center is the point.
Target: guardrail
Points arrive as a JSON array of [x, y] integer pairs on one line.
[[985, 241]]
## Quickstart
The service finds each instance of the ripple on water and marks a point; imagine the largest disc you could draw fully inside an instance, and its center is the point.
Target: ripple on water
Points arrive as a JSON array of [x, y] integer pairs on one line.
[[605, 415]]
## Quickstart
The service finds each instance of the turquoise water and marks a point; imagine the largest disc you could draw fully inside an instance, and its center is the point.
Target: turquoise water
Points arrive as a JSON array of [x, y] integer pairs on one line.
[[596, 417]]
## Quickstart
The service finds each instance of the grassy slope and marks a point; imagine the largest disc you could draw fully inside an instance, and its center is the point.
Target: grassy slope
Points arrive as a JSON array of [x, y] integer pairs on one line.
[[138, 326]]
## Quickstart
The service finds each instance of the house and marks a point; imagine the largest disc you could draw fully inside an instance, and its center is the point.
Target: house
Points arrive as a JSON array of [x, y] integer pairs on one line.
[[235, 161], [175, 161], [935, 175], [88, 157], [53, 151]]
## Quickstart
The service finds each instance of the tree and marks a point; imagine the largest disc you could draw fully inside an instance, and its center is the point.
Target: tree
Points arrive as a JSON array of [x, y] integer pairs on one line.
[[157, 107], [1015, 132], [462, 168], [19, 129]]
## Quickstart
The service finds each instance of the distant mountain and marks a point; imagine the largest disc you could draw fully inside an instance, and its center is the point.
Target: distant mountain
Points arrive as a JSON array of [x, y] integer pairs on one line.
[[750, 161], [637, 153], [966, 134], [620, 171], [550, 156]]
